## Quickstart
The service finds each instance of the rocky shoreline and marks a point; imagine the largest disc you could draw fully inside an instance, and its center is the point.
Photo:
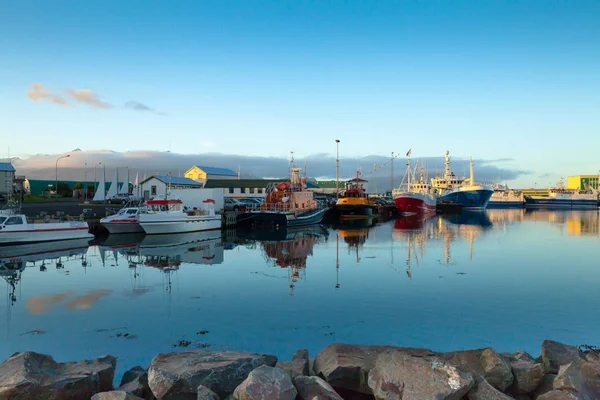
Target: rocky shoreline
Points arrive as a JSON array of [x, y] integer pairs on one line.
[[340, 371]]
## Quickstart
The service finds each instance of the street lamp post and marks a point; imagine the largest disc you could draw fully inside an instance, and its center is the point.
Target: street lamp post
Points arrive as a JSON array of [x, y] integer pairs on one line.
[[376, 177], [337, 169], [392, 178], [85, 183], [56, 170]]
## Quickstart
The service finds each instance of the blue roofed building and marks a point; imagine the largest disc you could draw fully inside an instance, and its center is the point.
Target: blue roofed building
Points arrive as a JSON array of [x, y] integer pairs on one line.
[[7, 177], [202, 174]]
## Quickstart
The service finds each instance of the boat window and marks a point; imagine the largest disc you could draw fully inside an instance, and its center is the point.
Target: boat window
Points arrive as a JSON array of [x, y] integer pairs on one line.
[[132, 211], [14, 221], [2, 219], [153, 190], [163, 207]]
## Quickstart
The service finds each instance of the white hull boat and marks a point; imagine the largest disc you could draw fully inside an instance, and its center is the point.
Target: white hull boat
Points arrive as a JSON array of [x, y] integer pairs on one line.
[[127, 220], [14, 228], [168, 216]]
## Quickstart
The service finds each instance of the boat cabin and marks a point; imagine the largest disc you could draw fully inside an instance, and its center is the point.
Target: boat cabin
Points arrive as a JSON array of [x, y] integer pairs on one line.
[[154, 206], [6, 220]]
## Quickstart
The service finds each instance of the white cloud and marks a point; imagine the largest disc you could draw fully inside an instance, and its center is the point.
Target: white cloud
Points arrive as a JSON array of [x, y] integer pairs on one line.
[[39, 92]]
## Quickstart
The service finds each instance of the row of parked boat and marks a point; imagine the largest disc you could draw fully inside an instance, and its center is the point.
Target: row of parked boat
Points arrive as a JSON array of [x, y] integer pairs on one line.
[[420, 196]]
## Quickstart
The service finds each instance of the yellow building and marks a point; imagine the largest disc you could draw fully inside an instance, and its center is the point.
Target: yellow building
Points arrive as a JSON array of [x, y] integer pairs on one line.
[[202, 174], [579, 182]]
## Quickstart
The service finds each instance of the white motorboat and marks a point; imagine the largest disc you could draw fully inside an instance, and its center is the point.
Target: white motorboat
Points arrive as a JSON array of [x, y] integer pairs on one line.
[[14, 228], [127, 220], [170, 216]]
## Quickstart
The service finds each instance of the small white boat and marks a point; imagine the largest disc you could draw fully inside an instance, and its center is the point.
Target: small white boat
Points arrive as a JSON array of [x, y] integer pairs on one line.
[[127, 220], [170, 216], [14, 228]]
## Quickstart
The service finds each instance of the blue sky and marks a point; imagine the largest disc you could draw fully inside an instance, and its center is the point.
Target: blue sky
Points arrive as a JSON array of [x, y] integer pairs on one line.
[[488, 79]]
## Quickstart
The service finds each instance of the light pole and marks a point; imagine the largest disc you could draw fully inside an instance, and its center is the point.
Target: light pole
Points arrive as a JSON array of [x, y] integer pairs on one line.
[[337, 169], [85, 183], [56, 170], [376, 178], [392, 179]]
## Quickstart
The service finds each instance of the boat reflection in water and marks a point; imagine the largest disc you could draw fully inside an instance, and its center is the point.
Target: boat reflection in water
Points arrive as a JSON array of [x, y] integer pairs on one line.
[[14, 259], [417, 231], [355, 233], [570, 222], [288, 248]]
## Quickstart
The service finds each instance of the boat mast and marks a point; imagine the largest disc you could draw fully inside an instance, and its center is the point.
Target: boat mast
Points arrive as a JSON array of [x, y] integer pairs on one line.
[[408, 183], [447, 171], [471, 176]]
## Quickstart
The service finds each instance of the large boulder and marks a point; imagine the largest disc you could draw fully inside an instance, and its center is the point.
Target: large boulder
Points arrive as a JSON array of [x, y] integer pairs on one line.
[[266, 383], [205, 393], [300, 363], [486, 363], [135, 381], [39, 376], [555, 354], [482, 390], [397, 375], [178, 375], [310, 387], [579, 376], [115, 395], [521, 355], [347, 366], [528, 376], [561, 395], [545, 386]]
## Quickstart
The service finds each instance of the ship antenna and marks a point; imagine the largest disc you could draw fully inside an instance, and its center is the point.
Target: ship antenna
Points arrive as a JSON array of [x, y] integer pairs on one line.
[[471, 176]]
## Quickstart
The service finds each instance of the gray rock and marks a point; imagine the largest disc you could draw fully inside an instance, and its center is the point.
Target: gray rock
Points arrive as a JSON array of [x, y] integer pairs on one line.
[[528, 375], [115, 395], [482, 390], [486, 363], [300, 363], [522, 397], [555, 354], [311, 366], [579, 376], [310, 387], [178, 375], [205, 393], [347, 366], [285, 366], [132, 374], [266, 383], [545, 386], [397, 376], [135, 381], [561, 395], [521, 355], [39, 376]]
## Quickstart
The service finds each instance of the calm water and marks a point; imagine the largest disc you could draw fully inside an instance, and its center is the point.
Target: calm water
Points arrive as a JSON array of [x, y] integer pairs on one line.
[[507, 279]]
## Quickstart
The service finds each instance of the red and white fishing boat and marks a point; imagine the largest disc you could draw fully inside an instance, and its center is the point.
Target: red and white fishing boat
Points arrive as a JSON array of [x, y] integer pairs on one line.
[[170, 216], [14, 228], [414, 197], [127, 220]]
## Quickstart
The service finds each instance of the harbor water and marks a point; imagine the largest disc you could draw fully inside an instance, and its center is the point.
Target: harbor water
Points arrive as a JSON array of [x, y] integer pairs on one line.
[[502, 278]]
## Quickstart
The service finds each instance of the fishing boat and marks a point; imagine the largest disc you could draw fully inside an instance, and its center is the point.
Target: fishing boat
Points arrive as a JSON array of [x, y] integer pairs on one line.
[[416, 196], [170, 216], [288, 203], [503, 197], [462, 192], [127, 220], [15, 228], [559, 197], [354, 202]]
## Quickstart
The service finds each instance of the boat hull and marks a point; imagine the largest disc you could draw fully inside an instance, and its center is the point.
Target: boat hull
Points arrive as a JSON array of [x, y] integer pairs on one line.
[[181, 225], [122, 227], [415, 203], [505, 204], [560, 203], [354, 211], [288, 219], [37, 233], [469, 198]]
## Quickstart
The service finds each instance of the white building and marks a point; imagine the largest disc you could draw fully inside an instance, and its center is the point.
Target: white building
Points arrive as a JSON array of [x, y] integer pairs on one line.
[[7, 177], [156, 185], [202, 174]]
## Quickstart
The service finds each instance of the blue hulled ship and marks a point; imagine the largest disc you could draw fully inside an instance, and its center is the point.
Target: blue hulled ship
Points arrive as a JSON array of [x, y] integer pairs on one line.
[[462, 192]]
